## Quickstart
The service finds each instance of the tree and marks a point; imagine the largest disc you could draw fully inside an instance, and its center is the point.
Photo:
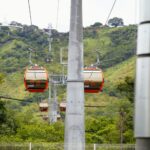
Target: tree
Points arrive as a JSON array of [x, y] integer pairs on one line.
[[97, 24], [126, 88], [1, 78], [2, 107], [115, 22], [14, 23], [2, 113]]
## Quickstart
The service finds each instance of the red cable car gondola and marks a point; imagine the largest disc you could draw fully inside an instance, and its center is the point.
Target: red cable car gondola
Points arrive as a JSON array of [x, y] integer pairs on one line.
[[93, 80], [45, 117], [62, 106], [36, 79], [43, 106], [58, 116]]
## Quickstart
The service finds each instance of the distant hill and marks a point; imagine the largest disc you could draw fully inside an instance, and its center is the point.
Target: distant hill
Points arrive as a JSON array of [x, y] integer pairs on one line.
[[113, 44], [115, 47]]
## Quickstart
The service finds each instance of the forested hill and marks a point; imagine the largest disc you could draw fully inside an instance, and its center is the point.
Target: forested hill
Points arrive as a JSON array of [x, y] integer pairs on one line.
[[113, 45], [116, 48], [116, 43]]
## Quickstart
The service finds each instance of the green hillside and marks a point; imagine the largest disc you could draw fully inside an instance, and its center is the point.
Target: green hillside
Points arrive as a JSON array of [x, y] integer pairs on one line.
[[114, 44], [116, 47]]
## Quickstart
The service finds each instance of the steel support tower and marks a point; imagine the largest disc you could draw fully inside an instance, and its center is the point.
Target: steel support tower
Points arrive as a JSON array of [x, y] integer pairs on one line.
[[142, 96], [54, 105], [74, 123]]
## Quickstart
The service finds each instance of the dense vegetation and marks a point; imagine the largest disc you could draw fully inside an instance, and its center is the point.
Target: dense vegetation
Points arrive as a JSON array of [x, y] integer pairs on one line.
[[21, 121]]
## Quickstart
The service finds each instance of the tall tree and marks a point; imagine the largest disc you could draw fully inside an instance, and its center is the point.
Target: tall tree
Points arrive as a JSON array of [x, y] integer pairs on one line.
[[2, 106], [115, 22], [126, 88], [97, 24]]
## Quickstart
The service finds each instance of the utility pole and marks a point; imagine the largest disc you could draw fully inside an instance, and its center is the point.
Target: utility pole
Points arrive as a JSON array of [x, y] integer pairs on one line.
[[121, 127], [74, 123], [49, 100], [64, 64], [52, 101], [142, 96]]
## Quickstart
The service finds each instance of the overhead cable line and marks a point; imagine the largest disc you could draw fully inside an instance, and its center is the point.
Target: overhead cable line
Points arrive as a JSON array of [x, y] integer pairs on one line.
[[57, 14], [110, 11], [30, 11], [94, 106], [16, 99], [22, 100]]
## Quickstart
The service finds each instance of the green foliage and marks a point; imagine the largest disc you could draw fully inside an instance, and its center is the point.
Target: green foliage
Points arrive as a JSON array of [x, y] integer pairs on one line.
[[2, 107], [101, 130], [115, 22], [8, 127], [2, 113], [1, 78], [97, 24], [33, 132], [127, 88], [41, 132], [114, 45]]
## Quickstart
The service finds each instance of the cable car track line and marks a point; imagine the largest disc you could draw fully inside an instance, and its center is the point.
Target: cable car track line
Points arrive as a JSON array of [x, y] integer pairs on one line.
[[110, 11], [57, 17], [15, 99], [30, 12], [5, 97], [93, 106]]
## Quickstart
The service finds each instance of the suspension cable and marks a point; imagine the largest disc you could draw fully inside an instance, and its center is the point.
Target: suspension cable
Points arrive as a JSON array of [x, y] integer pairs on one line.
[[30, 11], [16, 99], [23, 101], [57, 14], [94, 106], [110, 11]]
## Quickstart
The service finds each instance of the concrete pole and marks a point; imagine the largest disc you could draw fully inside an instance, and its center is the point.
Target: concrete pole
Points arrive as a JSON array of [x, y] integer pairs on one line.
[[74, 123], [30, 146], [142, 96], [49, 100], [94, 146]]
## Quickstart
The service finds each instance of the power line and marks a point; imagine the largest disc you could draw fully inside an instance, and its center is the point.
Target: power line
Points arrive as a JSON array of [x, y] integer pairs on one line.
[[16, 99], [30, 11], [110, 11], [94, 106], [57, 15]]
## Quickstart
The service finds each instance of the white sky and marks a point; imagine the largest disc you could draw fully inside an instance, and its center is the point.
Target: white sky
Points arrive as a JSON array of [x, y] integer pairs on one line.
[[45, 12]]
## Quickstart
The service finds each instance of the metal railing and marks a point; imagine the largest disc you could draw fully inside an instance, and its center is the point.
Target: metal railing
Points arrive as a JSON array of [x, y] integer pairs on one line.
[[60, 146], [58, 79], [113, 147]]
